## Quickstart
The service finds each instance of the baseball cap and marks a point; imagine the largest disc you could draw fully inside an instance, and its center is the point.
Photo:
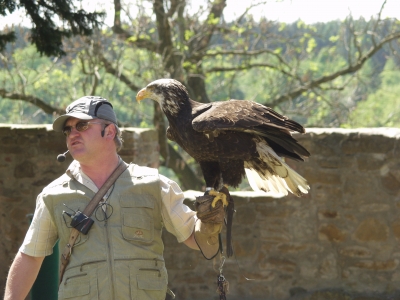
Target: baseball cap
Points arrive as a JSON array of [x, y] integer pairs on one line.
[[87, 108]]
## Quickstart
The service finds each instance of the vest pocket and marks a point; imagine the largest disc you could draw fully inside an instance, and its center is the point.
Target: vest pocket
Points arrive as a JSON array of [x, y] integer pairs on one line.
[[137, 227], [137, 213], [76, 287], [148, 283]]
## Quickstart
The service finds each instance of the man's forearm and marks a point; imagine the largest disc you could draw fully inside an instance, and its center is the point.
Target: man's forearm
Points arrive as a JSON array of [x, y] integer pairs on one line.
[[21, 276]]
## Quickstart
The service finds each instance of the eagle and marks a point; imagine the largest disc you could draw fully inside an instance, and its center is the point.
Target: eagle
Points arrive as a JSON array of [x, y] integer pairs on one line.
[[232, 139]]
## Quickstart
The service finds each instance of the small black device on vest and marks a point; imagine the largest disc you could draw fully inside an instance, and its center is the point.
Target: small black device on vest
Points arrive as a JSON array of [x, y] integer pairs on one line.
[[80, 221]]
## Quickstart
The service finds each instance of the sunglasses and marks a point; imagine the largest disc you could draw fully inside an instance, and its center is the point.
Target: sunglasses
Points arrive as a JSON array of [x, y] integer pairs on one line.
[[80, 126]]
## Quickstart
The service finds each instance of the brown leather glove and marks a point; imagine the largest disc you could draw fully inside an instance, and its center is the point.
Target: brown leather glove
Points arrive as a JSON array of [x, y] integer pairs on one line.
[[208, 225]]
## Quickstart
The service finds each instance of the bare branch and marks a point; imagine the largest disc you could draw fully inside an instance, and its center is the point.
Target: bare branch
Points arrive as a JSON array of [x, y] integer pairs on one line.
[[324, 79], [175, 5], [209, 26], [33, 100], [163, 26], [126, 36], [377, 22], [247, 10], [111, 70], [246, 53], [247, 67]]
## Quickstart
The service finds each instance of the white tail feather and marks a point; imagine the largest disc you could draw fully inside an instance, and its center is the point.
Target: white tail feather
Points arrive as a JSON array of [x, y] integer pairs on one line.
[[283, 178]]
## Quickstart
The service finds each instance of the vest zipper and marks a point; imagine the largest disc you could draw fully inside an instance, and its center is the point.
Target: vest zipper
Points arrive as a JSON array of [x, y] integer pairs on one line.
[[110, 260]]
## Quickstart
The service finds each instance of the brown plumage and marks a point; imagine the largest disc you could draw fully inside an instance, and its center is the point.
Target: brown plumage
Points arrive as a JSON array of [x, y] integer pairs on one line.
[[231, 139]]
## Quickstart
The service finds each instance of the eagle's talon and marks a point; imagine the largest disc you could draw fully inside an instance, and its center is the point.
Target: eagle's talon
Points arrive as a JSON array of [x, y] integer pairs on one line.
[[218, 196]]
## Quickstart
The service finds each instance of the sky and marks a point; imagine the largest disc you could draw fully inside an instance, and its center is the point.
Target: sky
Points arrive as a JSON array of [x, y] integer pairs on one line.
[[312, 11], [288, 11]]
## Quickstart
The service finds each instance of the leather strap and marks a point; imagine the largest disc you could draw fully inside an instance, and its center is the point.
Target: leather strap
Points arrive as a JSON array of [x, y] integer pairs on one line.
[[230, 209], [89, 209]]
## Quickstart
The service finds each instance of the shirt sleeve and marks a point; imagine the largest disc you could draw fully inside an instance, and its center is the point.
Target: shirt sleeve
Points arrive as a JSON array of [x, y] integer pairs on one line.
[[178, 218], [42, 233]]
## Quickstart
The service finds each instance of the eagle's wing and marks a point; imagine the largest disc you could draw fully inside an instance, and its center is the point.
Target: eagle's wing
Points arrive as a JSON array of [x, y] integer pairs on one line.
[[240, 115], [251, 117]]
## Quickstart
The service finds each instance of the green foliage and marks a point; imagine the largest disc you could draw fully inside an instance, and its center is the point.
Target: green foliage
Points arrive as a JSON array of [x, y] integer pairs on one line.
[[309, 52], [59, 82], [382, 107]]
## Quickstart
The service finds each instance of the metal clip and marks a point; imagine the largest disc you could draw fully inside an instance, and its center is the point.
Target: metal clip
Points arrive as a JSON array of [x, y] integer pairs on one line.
[[223, 258]]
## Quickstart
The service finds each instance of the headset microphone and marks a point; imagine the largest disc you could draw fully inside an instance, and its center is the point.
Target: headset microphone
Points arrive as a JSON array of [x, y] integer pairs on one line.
[[61, 157]]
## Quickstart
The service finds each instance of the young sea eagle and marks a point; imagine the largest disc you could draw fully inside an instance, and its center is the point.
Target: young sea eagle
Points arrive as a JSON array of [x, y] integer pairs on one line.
[[230, 139]]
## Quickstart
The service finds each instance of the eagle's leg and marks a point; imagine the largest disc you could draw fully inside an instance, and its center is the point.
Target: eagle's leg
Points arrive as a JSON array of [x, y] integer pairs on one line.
[[224, 195], [212, 175], [219, 196]]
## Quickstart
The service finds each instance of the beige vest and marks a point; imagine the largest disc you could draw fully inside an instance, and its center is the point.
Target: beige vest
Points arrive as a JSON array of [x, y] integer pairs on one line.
[[121, 258]]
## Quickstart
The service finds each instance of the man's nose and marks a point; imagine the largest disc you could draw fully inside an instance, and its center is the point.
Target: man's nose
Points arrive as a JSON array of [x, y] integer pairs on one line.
[[74, 131]]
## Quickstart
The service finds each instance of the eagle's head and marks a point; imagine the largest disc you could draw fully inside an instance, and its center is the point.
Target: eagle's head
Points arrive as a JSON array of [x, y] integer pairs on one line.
[[170, 93]]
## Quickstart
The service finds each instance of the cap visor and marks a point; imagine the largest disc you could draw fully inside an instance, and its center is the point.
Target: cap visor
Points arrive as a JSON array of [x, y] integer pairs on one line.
[[58, 123]]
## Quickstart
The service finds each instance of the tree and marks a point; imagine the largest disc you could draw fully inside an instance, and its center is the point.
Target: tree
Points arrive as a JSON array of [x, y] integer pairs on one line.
[[381, 108], [207, 53], [46, 34]]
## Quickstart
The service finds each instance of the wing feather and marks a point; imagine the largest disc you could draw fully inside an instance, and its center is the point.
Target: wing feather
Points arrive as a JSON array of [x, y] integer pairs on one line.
[[241, 115]]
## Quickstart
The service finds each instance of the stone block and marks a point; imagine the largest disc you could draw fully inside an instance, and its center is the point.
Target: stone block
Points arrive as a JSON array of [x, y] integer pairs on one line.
[[328, 214], [249, 290], [329, 162], [324, 193], [245, 246], [274, 212], [364, 143], [370, 162], [368, 298], [395, 170], [245, 215], [25, 170], [390, 184], [265, 276], [396, 229], [308, 269], [355, 252], [275, 235], [372, 230], [278, 264], [328, 295], [318, 176], [374, 207], [52, 144], [292, 248], [389, 265], [328, 268], [360, 188], [325, 144], [332, 233]]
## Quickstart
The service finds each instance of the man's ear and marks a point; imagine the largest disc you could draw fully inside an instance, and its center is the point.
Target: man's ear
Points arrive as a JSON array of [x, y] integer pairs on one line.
[[110, 131]]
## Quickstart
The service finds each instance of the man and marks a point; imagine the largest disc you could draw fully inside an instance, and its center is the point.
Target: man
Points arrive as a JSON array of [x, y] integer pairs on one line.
[[121, 257]]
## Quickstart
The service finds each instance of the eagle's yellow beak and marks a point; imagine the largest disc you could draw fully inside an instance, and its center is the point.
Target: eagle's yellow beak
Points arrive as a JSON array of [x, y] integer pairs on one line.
[[142, 94]]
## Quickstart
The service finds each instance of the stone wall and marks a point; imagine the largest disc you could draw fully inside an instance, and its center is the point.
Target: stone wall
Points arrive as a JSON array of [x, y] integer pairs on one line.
[[341, 241]]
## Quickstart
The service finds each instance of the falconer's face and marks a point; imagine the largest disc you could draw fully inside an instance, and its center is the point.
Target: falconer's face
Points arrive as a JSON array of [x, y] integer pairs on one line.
[[84, 139]]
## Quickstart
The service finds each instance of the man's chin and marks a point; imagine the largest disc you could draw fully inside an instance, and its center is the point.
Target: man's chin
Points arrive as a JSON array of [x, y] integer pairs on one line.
[[77, 154]]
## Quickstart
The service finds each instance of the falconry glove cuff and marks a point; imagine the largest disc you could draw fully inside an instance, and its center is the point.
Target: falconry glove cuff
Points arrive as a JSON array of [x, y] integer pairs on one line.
[[208, 225]]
